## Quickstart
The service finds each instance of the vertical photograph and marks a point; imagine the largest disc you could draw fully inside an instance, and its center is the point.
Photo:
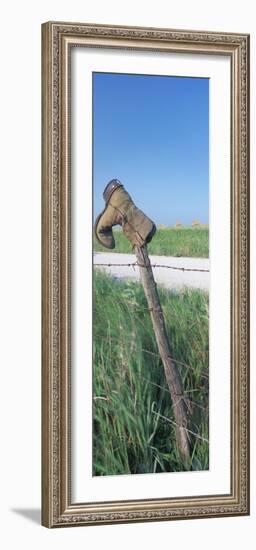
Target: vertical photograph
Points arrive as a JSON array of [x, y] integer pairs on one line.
[[150, 274]]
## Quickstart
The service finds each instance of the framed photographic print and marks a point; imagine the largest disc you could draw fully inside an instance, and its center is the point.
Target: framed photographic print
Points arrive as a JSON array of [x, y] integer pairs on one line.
[[145, 274]]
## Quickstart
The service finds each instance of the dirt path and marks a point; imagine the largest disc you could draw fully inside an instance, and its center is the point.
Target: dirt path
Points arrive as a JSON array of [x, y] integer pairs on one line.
[[170, 278]]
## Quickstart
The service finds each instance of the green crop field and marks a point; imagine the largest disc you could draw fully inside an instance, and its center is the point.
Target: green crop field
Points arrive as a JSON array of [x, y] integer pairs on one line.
[[189, 242], [132, 409]]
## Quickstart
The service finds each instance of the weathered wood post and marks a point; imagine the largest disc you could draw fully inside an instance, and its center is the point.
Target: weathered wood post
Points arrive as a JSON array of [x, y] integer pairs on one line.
[[171, 371]]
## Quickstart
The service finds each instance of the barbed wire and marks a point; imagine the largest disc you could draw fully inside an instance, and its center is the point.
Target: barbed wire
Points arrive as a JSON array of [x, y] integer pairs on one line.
[[136, 264], [186, 399], [198, 436], [154, 354], [185, 395], [157, 413], [185, 365]]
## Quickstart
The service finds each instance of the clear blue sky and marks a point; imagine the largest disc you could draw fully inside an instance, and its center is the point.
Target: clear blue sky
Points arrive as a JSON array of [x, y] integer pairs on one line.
[[152, 133]]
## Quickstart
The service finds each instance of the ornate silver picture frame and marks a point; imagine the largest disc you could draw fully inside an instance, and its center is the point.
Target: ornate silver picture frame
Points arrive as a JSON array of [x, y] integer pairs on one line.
[[59, 508]]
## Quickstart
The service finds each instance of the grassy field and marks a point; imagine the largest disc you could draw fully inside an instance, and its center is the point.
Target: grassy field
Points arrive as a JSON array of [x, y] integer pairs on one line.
[[130, 394], [189, 242]]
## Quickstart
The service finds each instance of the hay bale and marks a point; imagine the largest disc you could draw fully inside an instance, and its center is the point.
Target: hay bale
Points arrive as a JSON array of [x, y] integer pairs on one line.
[[196, 223], [178, 224]]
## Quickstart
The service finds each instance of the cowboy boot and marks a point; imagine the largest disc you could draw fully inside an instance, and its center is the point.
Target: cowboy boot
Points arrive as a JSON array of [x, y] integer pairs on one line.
[[121, 210]]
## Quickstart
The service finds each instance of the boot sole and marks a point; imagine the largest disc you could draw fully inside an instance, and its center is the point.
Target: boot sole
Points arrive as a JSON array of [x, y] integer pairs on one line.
[[151, 234], [95, 230]]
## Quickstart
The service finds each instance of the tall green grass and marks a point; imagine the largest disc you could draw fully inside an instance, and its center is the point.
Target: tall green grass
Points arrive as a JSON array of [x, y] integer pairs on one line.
[[130, 394], [189, 242]]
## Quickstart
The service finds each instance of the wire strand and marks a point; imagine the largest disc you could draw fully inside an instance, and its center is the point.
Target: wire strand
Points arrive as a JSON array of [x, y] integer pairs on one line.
[[178, 426], [136, 264]]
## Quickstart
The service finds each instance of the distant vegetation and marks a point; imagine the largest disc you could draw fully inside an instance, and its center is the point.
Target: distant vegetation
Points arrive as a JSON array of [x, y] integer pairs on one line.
[[180, 241], [133, 430]]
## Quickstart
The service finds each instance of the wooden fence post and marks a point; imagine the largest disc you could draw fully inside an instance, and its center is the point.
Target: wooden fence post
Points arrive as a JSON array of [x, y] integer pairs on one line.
[[171, 371]]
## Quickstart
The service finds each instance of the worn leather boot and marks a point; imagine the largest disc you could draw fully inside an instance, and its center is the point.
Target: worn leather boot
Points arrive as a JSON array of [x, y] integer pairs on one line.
[[121, 210]]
